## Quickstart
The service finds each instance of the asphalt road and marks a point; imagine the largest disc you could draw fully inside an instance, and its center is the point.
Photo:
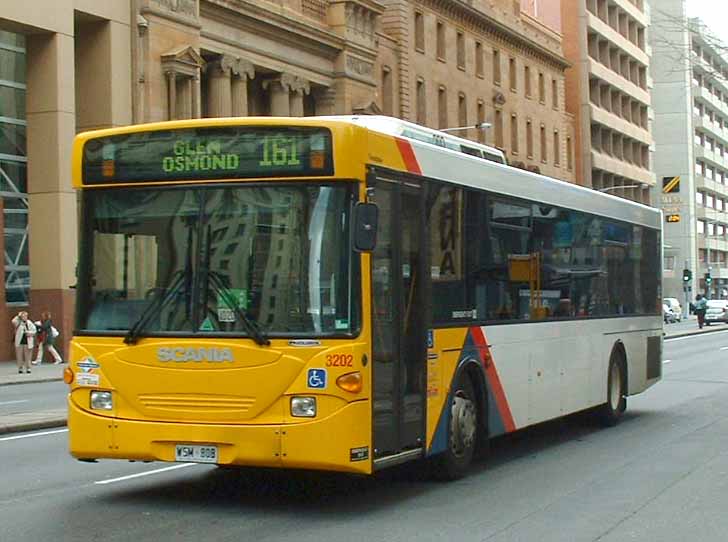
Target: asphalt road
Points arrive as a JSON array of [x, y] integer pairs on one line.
[[32, 397], [661, 475]]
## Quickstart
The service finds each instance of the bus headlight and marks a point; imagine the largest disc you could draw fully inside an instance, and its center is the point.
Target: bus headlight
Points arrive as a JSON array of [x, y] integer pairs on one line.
[[101, 400], [303, 407]]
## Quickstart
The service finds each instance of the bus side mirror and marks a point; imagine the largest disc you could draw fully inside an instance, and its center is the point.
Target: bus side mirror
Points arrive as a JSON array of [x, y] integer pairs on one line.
[[365, 226]]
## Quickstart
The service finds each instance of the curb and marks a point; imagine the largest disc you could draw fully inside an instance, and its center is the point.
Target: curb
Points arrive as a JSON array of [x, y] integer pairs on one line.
[[33, 425], [32, 381], [696, 332]]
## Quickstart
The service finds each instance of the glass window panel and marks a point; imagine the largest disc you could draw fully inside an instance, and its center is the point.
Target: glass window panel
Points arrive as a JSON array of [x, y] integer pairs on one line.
[[12, 66], [12, 139], [13, 176], [12, 102]]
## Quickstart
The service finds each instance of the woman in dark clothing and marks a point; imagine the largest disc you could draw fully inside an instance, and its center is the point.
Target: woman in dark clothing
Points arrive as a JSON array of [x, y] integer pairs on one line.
[[46, 330]]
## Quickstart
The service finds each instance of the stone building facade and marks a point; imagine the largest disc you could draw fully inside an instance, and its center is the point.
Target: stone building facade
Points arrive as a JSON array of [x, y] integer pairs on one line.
[[85, 64]]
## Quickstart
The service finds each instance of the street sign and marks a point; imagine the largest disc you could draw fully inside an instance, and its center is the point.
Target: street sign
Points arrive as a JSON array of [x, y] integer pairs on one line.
[[671, 184]]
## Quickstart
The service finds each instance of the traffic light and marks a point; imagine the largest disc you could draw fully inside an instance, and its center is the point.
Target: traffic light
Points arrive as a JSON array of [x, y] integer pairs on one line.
[[687, 275], [708, 278]]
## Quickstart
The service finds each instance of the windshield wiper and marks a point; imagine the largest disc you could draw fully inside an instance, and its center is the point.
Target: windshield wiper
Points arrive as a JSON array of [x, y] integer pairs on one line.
[[154, 308], [182, 279], [251, 326], [212, 280]]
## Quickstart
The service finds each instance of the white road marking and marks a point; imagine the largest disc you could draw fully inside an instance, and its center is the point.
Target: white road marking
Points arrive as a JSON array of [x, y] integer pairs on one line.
[[667, 361], [148, 473], [693, 336], [35, 434], [14, 402], [724, 348]]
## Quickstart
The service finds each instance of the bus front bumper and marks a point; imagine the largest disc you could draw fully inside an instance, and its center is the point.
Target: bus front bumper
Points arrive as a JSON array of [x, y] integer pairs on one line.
[[335, 443]]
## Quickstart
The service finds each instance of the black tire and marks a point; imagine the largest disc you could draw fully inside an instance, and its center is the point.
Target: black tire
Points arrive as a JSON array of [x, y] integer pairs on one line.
[[610, 413], [462, 433]]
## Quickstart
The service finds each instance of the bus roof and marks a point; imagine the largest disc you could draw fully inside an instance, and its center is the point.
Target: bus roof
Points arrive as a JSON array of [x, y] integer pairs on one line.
[[410, 130]]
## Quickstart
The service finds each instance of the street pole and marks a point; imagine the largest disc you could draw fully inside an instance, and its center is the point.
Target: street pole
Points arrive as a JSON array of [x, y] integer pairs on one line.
[[686, 286]]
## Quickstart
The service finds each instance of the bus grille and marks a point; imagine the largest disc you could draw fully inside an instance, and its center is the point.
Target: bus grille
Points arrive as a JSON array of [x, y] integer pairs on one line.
[[197, 403]]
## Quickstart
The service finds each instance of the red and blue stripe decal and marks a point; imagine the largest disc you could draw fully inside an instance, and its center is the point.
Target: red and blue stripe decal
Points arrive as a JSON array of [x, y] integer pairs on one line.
[[500, 418], [408, 156]]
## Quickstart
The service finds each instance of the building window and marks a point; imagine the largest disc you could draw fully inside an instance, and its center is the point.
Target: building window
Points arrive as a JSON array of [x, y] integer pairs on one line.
[[387, 91], [462, 110], [529, 139], [442, 107], [527, 80], [555, 93], [514, 134], [498, 128], [440, 41], [557, 149], [419, 32], [569, 156], [479, 59], [421, 102], [541, 88], [496, 67], [512, 75], [543, 143], [699, 198], [461, 50], [701, 231]]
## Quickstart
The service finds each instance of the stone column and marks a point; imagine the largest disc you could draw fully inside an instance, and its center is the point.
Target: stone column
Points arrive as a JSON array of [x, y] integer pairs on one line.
[[219, 101], [52, 201], [242, 71], [299, 87], [171, 95], [280, 101]]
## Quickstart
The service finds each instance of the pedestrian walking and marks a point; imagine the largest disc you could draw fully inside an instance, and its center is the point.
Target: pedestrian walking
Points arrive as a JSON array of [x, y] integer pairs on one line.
[[24, 338], [701, 304], [47, 338]]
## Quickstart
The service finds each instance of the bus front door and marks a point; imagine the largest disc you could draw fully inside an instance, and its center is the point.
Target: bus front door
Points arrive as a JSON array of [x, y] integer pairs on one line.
[[399, 316]]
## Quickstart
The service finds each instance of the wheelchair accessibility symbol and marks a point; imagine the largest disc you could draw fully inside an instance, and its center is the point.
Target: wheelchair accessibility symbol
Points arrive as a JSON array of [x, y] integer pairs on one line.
[[317, 378]]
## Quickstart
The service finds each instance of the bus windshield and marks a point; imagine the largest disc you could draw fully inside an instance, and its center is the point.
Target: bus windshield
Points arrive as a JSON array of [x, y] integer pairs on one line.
[[247, 260]]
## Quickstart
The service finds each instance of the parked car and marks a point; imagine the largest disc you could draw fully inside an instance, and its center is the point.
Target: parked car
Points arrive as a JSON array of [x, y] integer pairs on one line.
[[675, 306], [668, 315], [717, 311]]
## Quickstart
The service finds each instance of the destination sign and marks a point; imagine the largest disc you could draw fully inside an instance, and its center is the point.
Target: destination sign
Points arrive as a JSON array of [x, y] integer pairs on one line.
[[228, 152]]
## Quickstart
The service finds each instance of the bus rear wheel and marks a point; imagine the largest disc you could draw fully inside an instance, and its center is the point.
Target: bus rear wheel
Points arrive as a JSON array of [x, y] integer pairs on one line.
[[611, 412], [462, 433]]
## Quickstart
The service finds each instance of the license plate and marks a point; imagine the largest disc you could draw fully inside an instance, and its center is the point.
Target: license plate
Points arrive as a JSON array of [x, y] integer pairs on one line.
[[194, 453]]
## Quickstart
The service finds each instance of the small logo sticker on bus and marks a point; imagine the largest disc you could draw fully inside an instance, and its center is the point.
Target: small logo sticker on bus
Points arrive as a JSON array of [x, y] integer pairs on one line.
[[88, 379], [316, 379], [87, 365], [359, 454], [304, 342]]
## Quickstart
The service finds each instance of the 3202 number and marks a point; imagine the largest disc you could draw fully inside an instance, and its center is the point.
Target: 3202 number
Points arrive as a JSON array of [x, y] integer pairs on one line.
[[339, 360]]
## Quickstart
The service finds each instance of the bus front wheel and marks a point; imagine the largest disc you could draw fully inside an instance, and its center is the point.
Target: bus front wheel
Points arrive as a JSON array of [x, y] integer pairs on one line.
[[462, 434], [611, 412]]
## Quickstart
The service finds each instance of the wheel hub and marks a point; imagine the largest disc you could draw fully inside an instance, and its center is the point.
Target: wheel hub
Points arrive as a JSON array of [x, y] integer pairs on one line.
[[463, 425]]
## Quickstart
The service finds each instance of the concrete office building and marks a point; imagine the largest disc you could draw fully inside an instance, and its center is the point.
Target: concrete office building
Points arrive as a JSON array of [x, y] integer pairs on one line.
[[608, 91], [690, 71], [73, 65]]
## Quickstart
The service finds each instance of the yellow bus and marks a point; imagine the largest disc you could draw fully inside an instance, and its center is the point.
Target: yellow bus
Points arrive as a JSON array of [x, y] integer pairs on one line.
[[345, 294]]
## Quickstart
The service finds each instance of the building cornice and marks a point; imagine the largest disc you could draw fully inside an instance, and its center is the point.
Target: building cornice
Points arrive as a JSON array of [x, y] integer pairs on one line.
[[294, 31]]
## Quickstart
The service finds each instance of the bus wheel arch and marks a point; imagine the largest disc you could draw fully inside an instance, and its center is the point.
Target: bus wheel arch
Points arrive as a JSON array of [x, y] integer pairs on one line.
[[612, 410]]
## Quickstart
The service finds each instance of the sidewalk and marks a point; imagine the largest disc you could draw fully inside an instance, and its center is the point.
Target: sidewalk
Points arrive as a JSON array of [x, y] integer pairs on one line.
[[30, 421], [45, 372]]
